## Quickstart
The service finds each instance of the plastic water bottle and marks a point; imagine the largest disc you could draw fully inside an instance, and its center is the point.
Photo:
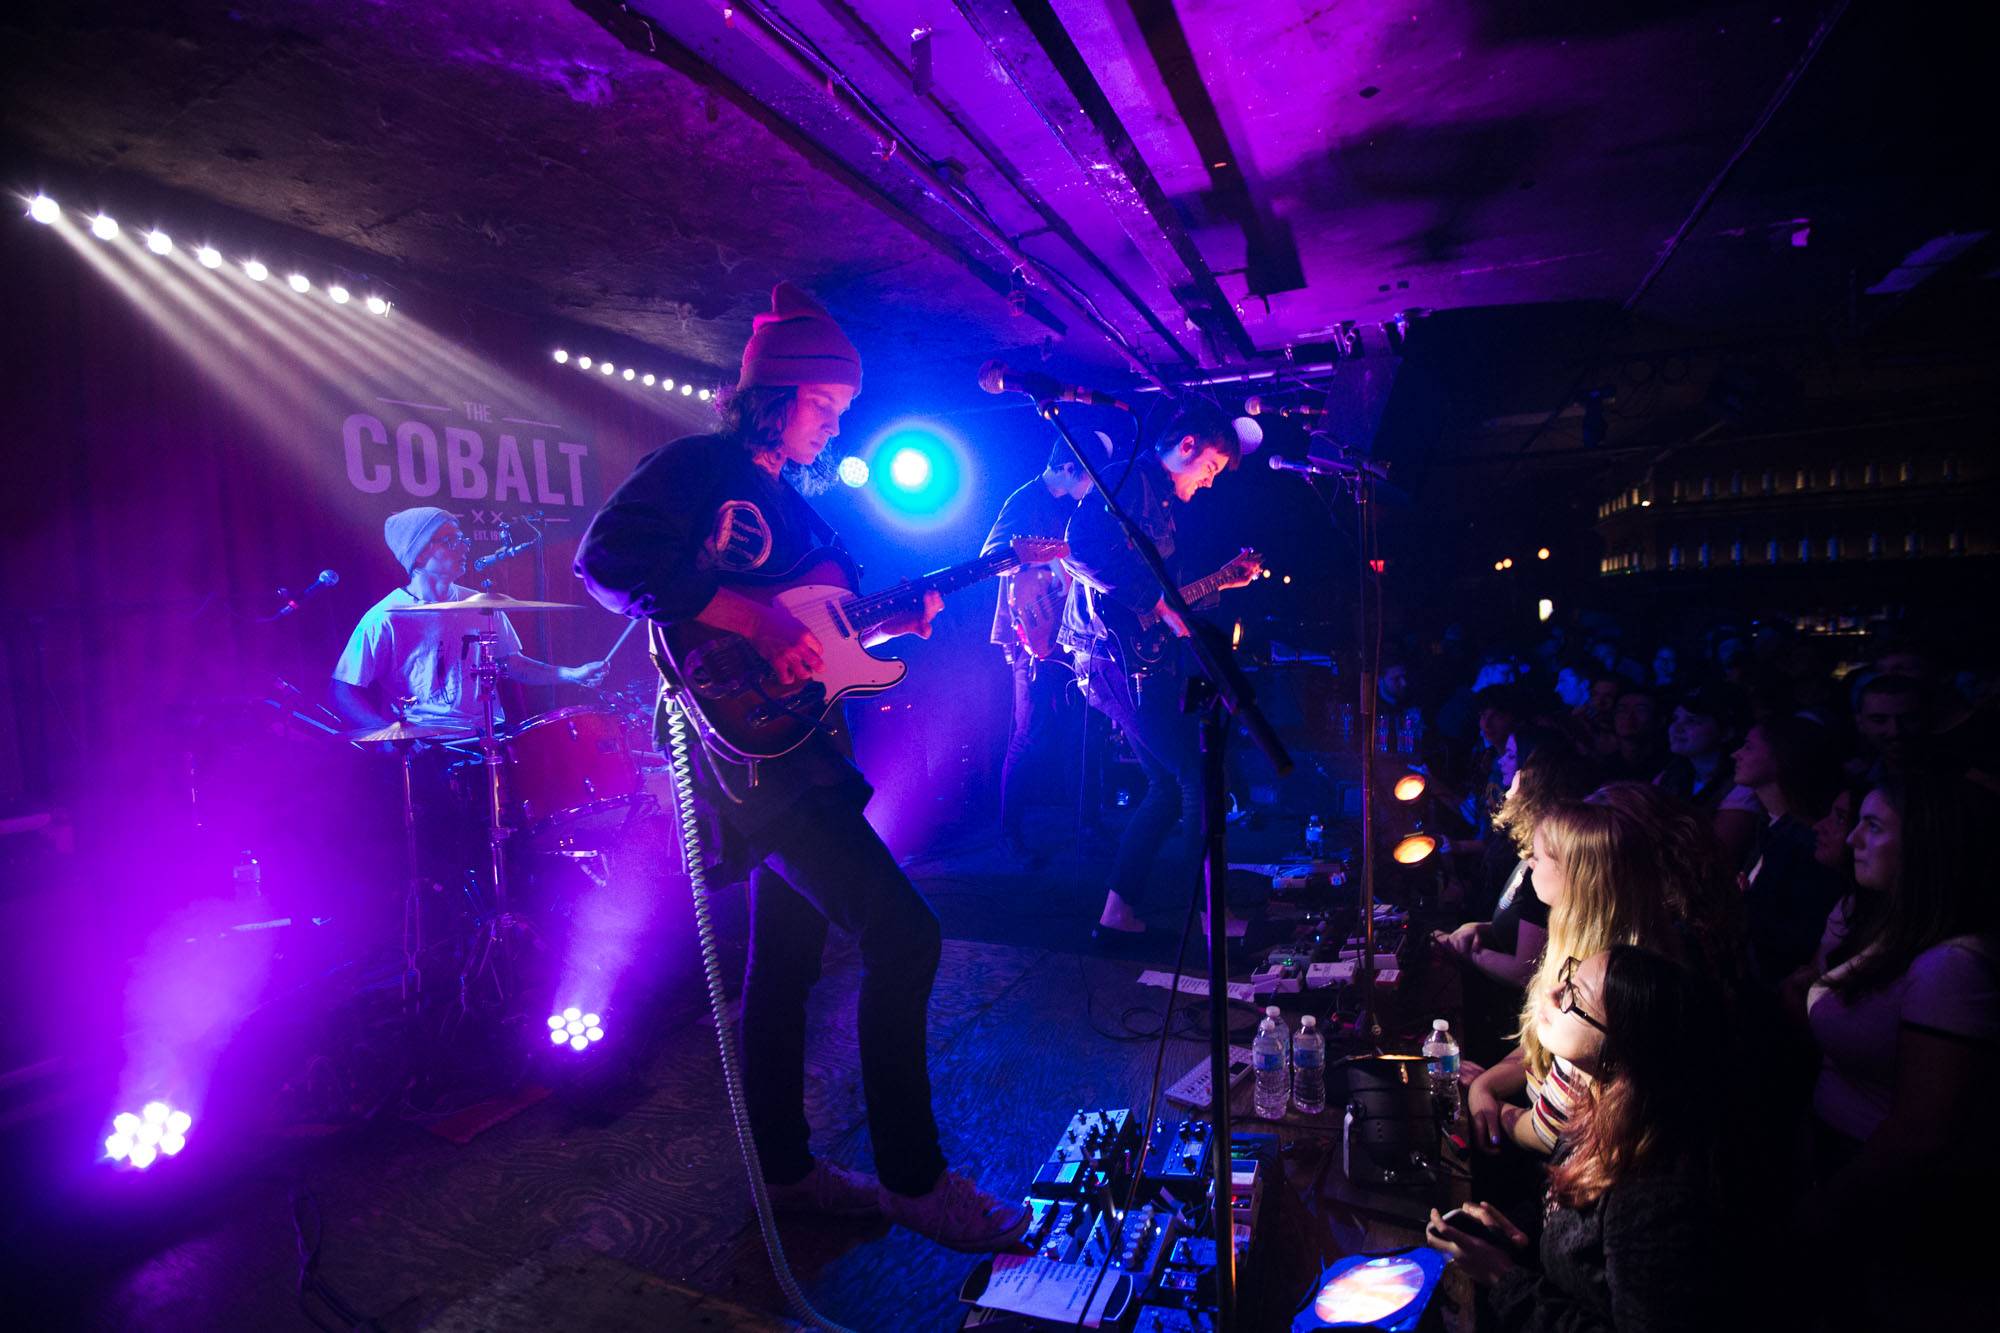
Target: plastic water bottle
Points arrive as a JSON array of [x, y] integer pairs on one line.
[[1409, 733], [1441, 1060], [1309, 1067], [1384, 731], [1315, 837], [1267, 1057]]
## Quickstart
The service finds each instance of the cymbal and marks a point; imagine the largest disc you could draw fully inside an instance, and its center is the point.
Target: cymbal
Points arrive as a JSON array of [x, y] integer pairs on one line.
[[400, 730], [487, 602]]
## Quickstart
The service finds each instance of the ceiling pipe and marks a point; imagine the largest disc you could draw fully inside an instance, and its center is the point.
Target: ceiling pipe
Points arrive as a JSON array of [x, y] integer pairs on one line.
[[810, 69]]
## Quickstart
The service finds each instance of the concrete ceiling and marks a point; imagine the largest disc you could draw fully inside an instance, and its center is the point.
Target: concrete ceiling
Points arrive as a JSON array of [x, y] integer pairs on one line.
[[1177, 186]]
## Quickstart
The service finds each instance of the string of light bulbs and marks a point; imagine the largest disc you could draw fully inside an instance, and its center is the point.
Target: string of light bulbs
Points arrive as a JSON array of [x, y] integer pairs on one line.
[[648, 379], [105, 228]]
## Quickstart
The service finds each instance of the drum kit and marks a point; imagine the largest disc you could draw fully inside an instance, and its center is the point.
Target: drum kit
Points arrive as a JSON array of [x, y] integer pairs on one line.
[[564, 783]]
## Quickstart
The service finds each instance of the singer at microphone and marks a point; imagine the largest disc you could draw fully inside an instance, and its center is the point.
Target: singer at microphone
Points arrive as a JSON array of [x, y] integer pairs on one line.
[[999, 377], [327, 579]]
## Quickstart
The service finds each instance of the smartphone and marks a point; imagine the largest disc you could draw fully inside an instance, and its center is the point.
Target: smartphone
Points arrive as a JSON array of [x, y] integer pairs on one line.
[[1466, 1224]]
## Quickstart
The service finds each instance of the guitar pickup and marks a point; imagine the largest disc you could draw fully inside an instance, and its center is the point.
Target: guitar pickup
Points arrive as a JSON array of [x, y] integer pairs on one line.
[[839, 619]]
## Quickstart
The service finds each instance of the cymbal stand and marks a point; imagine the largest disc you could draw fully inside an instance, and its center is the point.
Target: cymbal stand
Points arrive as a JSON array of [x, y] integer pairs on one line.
[[485, 674], [413, 890]]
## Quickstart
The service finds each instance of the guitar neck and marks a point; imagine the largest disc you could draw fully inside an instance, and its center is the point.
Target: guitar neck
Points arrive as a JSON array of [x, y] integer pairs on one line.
[[866, 613], [1190, 593]]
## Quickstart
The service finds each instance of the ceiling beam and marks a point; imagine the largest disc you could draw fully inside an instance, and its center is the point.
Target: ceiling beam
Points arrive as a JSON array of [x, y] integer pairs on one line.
[[1031, 44]]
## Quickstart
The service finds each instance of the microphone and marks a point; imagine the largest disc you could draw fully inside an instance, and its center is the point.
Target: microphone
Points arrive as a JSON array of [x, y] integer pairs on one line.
[[1329, 467], [327, 578], [507, 552], [999, 377], [1258, 406]]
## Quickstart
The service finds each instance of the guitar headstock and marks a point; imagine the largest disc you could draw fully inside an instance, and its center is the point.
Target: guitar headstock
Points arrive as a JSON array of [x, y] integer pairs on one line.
[[1247, 565], [1039, 550]]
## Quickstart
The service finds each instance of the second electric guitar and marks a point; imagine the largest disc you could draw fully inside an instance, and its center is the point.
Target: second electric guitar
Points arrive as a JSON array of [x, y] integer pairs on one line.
[[742, 706], [1150, 644]]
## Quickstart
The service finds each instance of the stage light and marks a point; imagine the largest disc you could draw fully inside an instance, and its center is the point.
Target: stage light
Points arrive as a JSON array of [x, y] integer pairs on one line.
[[910, 469], [630, 373], [575, 1029], [339, 294], [256, 270], [376, 305], [299, 283], [159, 242], [1544, 609], [1286, 579], [854, 471], [667, 384], [103, 228], [43, 209], [606, 368], [1414, 848], [209, 256], [1409, 787], [158, 1130], [686, 389], [1542, 553], [583, 362], [647, 379], [562, 357], [704, 395]]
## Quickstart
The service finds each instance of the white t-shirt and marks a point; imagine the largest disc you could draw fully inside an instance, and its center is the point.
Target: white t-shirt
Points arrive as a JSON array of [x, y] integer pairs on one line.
[[1953, 987], [423, 655]]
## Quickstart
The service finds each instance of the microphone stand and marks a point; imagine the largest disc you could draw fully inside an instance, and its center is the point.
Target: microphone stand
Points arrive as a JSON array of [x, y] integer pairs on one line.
[[1219, 693], [1363, 475]]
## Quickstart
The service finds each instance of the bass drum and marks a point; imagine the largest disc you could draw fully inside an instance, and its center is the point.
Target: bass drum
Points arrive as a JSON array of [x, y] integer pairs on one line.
[[568, 771]]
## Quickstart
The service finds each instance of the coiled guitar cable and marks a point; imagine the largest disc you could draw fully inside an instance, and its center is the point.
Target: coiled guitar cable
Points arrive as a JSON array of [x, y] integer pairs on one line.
[[726, 1038]]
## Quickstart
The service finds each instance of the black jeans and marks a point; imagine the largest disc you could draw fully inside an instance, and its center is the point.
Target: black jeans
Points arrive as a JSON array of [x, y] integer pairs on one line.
[[1167, 742], [1038, 702], [824, 863]]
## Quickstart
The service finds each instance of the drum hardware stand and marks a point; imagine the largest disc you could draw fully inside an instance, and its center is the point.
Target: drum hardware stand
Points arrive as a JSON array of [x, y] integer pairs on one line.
[[413, 889]]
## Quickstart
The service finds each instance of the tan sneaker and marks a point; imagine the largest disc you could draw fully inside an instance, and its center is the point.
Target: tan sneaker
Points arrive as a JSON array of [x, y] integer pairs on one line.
[[958, 1215], [831, 1190]]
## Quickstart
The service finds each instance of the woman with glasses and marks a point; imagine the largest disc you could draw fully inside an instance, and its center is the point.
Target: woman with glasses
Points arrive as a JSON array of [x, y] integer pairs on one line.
[[1634, 1231]]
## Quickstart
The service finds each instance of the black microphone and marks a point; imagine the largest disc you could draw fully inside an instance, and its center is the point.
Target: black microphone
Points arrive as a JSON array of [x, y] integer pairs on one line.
[[327, 578], [507, 552], [999, 377], [1329, 467]]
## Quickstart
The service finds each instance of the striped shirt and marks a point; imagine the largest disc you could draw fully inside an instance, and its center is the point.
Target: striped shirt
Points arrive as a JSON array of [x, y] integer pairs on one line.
[[1553, 1100]]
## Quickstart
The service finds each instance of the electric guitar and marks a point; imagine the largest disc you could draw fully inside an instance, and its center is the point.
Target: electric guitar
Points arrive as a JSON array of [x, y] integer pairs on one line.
[[736, 696], [1035, 597], [1154, 638]]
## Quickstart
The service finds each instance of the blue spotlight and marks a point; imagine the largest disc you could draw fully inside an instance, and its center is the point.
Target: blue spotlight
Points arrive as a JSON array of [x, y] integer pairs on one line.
[[920, 472], [854, 471], [910, 468]]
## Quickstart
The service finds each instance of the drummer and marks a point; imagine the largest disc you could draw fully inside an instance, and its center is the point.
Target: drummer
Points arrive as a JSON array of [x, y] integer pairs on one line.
[[427, 656]]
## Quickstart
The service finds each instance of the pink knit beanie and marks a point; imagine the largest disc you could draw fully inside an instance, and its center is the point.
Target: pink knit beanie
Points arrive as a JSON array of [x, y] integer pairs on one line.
[[797, 343]]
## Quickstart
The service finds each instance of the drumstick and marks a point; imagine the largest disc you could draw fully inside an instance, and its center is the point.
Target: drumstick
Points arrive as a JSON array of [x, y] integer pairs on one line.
[[630, 626]]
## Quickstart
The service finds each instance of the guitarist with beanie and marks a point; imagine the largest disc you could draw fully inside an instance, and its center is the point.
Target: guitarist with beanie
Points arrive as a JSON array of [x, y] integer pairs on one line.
[[681, 541]]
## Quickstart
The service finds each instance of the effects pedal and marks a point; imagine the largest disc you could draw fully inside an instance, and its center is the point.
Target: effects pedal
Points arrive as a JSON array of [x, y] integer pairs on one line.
[[1096, 1151], [1178, 1159], [1193, 1089]]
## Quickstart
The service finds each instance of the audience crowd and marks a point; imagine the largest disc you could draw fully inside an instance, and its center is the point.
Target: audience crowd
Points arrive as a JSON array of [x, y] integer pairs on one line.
[[1730, 976]]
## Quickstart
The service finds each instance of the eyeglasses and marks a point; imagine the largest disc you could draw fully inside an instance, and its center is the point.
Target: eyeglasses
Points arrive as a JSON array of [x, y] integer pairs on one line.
[[460, 542], [1565, 994]]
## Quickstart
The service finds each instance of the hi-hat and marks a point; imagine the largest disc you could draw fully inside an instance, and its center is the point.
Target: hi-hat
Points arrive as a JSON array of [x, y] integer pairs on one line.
[[400, 730], [487, 602]]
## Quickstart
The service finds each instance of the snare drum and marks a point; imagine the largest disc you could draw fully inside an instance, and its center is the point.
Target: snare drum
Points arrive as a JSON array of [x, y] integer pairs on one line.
[[564, 766]]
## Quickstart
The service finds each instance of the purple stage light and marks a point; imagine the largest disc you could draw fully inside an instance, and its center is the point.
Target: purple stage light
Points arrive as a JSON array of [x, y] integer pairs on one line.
[[43, 209], [103, 228], [575, 1028], [157, 1130]]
